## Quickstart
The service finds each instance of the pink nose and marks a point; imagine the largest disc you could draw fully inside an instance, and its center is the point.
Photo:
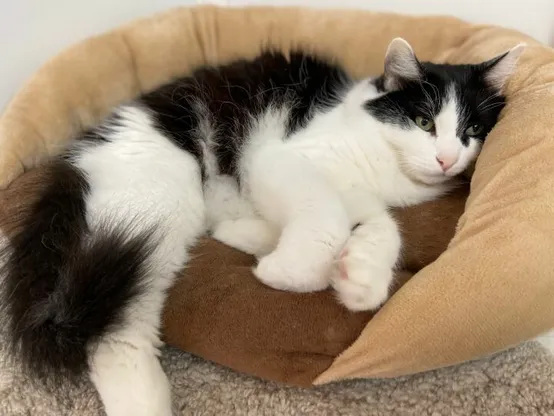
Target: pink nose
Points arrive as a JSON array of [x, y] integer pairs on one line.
[[446, 162]]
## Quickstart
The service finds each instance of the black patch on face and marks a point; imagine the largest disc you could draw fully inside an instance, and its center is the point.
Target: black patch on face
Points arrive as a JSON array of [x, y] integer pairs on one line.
[[232, 95], [478, 103]]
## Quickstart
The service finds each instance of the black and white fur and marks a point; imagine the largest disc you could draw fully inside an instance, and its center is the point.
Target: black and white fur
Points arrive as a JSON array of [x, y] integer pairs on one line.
[[280, 157]]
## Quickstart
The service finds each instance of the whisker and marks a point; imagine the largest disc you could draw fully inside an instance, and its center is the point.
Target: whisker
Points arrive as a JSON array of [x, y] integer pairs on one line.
[[488, 99]]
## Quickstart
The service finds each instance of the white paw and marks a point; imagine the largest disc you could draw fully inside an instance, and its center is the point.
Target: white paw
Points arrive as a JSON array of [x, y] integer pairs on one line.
[[129, 378], [362, 282], [294, 270], [251, 235], [139, 408]]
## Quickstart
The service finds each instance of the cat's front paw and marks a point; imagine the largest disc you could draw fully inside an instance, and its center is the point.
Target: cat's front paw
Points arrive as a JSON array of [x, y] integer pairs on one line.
[[361, 282]]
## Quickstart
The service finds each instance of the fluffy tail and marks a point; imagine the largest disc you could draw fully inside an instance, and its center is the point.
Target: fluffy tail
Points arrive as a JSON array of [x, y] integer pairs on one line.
[[65, 285]]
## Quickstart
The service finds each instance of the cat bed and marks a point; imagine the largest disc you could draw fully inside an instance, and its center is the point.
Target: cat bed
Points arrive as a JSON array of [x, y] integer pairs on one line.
[[488, 287]]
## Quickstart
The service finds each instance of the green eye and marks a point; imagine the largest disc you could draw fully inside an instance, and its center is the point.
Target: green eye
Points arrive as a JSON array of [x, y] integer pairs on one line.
[[475, 130], [424, 123]]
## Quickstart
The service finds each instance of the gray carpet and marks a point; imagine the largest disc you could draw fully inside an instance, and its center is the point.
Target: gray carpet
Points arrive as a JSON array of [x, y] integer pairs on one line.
[[516, 382]]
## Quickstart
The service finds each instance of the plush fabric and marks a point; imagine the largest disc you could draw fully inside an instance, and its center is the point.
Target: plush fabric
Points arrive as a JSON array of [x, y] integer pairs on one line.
[[490, 289], [496, 386]]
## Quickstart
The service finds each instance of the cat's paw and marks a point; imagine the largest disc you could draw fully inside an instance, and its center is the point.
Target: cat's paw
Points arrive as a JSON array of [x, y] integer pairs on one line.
[[293, 271], [140, 408], [361, 282], [251, 235]]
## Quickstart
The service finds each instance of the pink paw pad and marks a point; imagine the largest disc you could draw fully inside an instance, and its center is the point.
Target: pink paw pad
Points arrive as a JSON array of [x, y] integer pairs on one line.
[[342, 267]]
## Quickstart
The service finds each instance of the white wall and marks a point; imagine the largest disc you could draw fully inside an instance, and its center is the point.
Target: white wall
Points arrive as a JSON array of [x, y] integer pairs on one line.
[[534, 17], [32, 31]]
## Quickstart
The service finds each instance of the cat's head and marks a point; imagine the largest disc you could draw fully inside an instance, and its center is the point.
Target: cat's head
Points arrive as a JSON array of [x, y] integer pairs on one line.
[[437, 116]]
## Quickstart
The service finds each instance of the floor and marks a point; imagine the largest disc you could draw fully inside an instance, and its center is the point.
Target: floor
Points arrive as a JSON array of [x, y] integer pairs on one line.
[[515, 382]]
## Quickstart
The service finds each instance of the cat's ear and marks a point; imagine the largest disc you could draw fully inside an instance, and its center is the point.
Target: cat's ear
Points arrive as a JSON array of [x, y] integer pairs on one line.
[[497, 70], [401, 65]]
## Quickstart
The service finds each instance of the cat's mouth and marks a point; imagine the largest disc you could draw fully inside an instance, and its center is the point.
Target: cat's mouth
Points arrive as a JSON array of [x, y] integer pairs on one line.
[[454, 170], [439, 177]]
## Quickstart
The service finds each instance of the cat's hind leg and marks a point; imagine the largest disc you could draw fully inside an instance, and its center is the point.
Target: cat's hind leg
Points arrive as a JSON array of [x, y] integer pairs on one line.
[[145, 185], [124, 365]]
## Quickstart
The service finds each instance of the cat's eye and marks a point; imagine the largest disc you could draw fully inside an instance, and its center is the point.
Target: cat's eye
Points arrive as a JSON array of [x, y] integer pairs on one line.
[[424, 123], [475, 130]]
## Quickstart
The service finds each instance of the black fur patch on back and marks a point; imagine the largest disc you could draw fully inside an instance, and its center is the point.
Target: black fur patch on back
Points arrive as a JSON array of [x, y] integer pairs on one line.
[[230, 96]]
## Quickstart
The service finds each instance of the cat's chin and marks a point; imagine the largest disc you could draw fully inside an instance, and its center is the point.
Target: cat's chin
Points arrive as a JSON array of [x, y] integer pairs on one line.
[[429, 178], [442, 182], [436, 180]]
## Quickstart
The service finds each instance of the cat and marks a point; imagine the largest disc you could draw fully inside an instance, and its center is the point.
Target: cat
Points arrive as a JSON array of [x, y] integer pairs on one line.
[[285, 157]]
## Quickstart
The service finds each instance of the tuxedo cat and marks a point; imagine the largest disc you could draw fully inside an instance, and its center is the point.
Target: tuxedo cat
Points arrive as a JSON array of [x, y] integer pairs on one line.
[[285, 157]]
